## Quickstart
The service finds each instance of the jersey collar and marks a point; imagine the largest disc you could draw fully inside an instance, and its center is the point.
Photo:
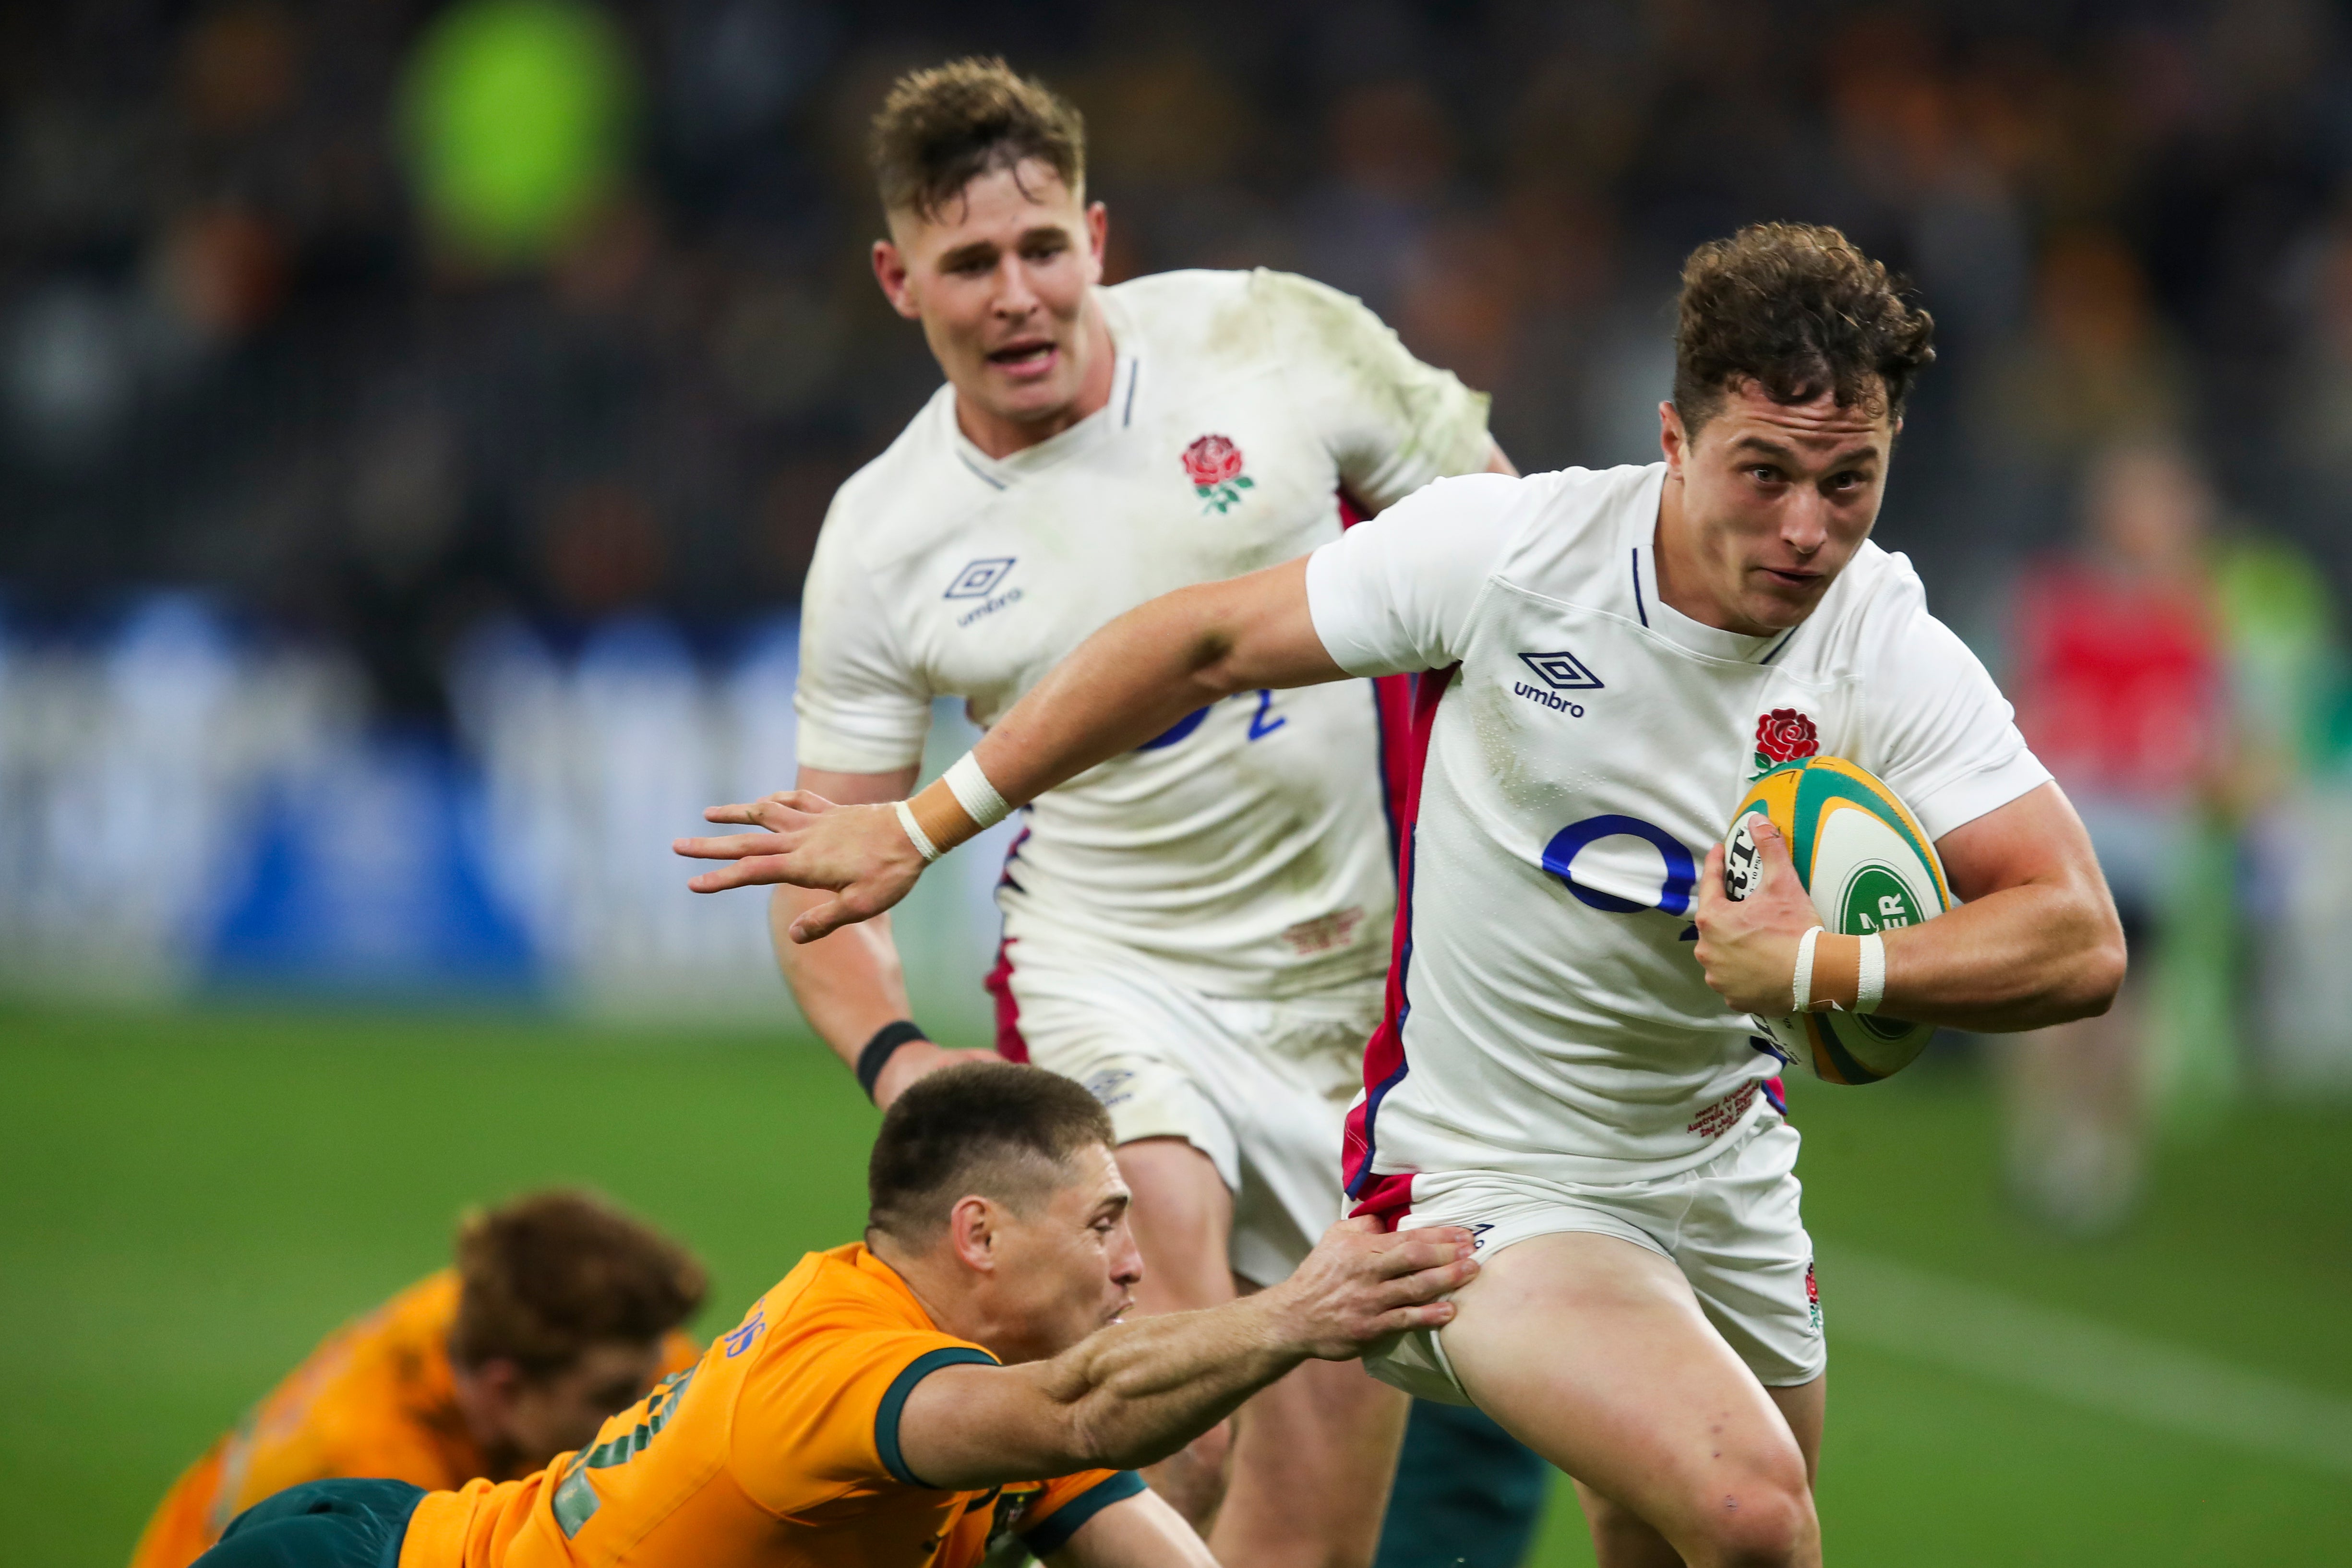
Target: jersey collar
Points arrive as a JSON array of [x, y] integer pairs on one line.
[[1102, 425]]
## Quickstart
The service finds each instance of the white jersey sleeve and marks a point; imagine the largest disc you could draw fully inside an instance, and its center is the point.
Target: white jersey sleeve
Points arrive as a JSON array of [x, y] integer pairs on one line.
[[1391, 422], [1396, 593], [1950, 743], [863, 708]]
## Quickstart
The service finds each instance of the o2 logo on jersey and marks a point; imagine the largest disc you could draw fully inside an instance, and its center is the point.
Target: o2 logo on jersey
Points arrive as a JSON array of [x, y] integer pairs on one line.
[[978, 580], [1639, 886]]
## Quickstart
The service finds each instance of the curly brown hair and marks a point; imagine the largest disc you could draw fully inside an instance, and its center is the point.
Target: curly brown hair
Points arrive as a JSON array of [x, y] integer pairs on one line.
[[943, 127], [1798, 309], [548, 1275]]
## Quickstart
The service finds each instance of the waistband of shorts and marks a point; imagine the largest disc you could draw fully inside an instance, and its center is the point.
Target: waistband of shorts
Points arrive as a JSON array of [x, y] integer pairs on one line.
[[1760, 1120]]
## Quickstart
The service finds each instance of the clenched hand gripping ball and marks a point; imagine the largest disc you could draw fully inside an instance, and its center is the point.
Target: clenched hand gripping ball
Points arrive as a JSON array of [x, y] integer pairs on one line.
[[1870, 868]]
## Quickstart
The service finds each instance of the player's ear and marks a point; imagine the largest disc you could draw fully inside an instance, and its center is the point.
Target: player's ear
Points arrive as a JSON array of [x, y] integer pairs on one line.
[[890, 272], [1098, 234], [1672, 439], [972, 1231]]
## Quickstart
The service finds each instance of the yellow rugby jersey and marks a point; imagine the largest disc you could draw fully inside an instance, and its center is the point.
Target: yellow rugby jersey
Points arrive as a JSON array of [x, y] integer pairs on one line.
[[375, 1398], [778, 1449]]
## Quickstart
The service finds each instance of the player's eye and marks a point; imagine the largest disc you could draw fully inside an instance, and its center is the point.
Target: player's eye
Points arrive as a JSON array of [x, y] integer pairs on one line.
[[1764, 474], [1045, 250]]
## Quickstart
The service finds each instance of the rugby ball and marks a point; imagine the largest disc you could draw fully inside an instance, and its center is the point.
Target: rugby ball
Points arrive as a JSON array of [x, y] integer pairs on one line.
[[1870, 868]]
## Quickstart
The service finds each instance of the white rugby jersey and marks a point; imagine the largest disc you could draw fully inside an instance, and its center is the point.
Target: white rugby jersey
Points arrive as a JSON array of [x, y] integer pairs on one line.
[[1248, 847], [1544, 1011]]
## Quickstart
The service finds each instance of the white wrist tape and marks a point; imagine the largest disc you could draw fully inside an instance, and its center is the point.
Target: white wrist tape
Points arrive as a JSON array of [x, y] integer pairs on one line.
[[1800, 985], [1870, 989], [922, 840], [974, 793]]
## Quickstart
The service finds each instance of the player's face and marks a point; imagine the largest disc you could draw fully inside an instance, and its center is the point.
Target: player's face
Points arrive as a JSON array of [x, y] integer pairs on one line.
[[1774, 500], [545, 1416], [998, 278], [1071, 1265]]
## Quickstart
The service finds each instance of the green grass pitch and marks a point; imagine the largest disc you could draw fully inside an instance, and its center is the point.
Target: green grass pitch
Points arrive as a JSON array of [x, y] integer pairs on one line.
[[188, 1203]]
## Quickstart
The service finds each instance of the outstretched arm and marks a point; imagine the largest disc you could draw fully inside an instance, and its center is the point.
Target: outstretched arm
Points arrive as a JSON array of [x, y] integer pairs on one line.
[[1124, 685], [1135, 1393]]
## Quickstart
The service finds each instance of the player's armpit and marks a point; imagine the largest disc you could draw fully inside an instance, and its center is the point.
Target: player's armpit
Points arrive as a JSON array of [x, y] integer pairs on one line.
[[1138, 1531]]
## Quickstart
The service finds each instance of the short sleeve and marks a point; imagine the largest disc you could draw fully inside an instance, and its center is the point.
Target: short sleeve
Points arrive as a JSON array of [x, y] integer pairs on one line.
[[862, 709], [1949, 742], [1068, 1503], [1391, 422], [821, 1415], [1395, 593]]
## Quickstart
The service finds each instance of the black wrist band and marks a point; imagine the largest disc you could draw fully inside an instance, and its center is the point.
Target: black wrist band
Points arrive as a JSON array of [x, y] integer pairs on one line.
[[881, 1048]]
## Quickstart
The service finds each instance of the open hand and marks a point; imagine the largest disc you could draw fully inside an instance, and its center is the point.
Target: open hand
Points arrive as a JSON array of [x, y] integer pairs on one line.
[[1362, 1285], [860, 854], [1749, 946]]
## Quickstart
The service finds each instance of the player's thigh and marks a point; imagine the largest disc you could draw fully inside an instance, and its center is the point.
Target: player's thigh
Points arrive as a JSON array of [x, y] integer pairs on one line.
[[1594, 1351], [1182, 1213], [1743, 1246], [1313, 1458]]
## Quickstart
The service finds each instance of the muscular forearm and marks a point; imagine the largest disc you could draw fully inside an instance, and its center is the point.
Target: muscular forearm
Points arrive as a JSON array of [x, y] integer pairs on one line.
[[2024, 957], [849, 984], [1136, 1392]]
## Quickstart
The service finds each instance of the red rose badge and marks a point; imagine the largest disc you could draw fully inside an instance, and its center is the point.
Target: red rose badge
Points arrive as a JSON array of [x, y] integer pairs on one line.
[[1783, 736], [1214, 463]]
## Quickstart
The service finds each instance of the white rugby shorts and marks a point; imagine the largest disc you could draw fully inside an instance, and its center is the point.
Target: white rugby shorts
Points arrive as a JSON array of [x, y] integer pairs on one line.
[[1731, 1226], [1261, 1087]]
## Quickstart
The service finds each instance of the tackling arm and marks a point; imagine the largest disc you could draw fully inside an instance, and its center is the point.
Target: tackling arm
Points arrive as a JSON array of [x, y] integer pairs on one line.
[[1135, 1393], [1124, 685], [2036, 941]]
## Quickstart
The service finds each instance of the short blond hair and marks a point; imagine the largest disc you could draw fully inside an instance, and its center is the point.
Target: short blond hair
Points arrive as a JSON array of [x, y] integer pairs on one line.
[[942, 127]]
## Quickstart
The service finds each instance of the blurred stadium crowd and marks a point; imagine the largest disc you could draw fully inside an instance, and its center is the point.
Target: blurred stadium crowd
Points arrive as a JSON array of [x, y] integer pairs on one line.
[[424, 414]]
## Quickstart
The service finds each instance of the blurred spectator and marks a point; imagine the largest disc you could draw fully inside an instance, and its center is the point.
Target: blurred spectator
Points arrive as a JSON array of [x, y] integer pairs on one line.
[[2118, 688]]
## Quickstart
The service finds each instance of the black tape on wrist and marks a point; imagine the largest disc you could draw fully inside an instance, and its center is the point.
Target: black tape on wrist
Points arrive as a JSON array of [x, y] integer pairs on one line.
[[881, 1048]]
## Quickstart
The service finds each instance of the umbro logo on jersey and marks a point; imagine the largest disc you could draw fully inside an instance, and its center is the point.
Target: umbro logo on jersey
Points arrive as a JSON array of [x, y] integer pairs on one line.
[[1559, 671], [1562, 672], [978, 580]]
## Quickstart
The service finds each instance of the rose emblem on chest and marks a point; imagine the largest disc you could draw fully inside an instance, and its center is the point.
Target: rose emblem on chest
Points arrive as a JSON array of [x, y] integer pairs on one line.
[[1214, 466], [1784, 735]]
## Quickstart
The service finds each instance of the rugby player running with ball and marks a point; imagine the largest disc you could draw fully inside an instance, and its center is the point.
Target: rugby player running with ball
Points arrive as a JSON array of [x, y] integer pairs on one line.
[[1196, 931], [1567, 1066]]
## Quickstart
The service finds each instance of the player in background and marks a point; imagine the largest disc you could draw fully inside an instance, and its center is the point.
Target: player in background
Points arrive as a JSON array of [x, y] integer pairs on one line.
[[558, 1312], [958, 1381], [1568, 1066], [1193, 930], [2120, 687]]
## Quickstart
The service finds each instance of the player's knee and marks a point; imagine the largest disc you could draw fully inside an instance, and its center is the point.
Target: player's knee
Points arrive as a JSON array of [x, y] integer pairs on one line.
[[1764, 1522]]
